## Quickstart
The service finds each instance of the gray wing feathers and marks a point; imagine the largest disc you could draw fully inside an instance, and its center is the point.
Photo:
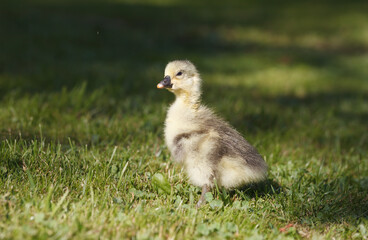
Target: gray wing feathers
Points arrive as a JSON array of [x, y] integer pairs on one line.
[[232, 144]]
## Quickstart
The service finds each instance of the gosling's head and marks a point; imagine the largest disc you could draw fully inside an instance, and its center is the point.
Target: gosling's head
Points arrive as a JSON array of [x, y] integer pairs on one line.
[[181, 77]]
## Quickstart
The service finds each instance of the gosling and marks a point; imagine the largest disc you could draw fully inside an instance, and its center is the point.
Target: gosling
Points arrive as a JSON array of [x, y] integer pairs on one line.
[[209, 149]]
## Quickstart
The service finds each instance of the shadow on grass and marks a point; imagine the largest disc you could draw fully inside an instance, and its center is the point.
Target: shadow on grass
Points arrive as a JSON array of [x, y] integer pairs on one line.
[[339, 200], [267, 187]]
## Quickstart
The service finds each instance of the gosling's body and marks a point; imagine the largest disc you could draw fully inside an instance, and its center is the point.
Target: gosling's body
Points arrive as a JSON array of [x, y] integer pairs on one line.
[[208, 147]]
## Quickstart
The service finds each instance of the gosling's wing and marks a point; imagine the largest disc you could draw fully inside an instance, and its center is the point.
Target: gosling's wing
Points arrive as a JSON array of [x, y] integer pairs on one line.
[[237, 145], [231, 143]]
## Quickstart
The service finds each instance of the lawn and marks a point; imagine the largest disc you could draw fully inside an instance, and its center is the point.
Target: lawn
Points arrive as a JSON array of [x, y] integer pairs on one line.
[[82, 153]]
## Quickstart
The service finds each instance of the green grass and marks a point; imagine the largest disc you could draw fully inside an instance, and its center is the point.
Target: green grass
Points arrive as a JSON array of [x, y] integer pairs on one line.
[[81, 123]]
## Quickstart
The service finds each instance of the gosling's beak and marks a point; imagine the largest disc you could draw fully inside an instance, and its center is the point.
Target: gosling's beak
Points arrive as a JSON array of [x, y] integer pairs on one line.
[[166, 83]]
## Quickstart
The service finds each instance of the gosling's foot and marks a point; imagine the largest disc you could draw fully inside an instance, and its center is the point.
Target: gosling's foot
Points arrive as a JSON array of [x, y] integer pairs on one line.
[[202, 198]]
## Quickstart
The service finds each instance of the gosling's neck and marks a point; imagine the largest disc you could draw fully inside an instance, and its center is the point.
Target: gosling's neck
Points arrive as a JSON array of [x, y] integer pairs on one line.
[[191, 100]]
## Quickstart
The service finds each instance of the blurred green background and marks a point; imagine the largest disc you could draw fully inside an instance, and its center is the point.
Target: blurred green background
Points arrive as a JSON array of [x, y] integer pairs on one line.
[[78, 78], [284, 54]]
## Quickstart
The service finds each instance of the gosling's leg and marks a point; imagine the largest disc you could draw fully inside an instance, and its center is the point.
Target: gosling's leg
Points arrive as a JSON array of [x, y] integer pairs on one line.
[[202, 198]]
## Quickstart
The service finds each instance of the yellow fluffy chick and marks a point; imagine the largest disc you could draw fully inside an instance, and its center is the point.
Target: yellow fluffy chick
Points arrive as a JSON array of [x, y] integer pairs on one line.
[[207, 147]]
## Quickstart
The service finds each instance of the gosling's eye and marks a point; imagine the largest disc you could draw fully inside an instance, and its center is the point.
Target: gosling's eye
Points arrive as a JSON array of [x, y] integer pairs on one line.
[[179, 73]]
